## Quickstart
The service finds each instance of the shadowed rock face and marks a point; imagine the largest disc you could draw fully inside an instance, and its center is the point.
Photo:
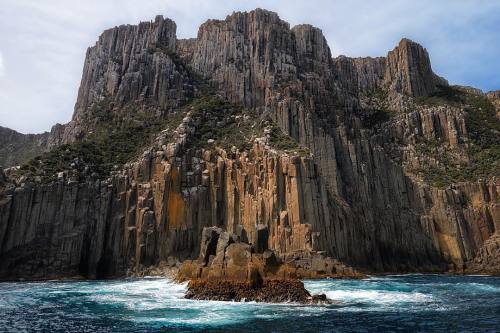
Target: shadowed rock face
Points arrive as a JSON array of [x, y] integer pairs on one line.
[[359, 192]]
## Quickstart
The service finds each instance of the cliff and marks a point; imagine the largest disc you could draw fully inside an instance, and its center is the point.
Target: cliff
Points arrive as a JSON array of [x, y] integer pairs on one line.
[[253, 127], [17, 148]]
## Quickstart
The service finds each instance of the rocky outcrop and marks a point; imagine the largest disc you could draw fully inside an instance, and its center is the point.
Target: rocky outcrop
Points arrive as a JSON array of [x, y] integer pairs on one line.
[[487, 259], [227, 257], [494, 97], [17, 148], [231, 270], [406, 70], [343, 183], [131, 64], [271, 291]]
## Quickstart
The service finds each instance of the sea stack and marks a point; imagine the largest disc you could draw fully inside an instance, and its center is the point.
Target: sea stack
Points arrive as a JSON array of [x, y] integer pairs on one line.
[[230, 270]]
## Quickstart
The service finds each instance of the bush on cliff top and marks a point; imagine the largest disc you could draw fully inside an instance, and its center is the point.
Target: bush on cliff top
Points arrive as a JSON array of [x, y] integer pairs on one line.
[[227, 124], [483, 128], [230, 125]]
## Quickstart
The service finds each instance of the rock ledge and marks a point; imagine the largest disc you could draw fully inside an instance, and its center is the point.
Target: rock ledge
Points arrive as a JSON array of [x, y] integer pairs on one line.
[[269, 291]]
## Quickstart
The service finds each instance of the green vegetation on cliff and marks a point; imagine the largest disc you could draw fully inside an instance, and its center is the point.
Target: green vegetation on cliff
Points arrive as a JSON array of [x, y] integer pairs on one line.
[[483, 148], [228, 125], [281, 141], [377, 110], [231, 126], [110, 142]]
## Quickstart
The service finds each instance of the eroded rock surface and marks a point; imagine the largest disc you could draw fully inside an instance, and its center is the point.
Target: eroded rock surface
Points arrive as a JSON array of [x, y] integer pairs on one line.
[[231, 270], [224, 256]]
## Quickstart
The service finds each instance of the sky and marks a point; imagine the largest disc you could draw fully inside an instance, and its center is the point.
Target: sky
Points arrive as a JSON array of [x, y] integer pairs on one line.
[[43, 42]]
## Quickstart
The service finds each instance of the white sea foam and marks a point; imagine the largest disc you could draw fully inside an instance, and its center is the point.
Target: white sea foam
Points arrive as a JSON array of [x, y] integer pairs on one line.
[[145, 294], [379, 296], [160, 302], [375, 294]]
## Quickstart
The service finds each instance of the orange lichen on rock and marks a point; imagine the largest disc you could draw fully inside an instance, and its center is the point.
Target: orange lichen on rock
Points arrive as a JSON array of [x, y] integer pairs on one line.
[[176, 205]]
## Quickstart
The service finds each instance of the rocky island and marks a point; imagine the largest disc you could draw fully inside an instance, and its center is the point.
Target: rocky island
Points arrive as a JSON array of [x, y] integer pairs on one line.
[[229, 269], [248, 158]]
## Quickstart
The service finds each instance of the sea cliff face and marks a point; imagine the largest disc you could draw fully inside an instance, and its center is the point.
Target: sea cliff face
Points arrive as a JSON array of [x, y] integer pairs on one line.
[[375, 162]]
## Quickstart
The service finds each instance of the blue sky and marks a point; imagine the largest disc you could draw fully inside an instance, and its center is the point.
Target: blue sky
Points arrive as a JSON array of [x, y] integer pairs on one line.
[[43, 43]]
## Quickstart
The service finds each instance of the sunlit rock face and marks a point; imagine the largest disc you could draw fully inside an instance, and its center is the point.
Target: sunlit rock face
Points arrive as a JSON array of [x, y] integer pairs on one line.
[[354, 179]]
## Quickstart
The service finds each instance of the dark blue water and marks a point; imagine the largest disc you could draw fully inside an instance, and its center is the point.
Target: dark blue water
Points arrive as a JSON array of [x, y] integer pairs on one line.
[[409, 303]]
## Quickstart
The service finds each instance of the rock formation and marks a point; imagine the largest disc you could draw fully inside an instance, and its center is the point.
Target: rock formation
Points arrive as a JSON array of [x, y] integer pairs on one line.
[[225, 256], [487, 260], [17, 148], [230, 270], [494, 97], [376, 163]]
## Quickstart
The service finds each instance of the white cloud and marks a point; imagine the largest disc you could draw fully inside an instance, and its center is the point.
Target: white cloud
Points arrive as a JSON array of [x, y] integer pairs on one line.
[[46, 40]]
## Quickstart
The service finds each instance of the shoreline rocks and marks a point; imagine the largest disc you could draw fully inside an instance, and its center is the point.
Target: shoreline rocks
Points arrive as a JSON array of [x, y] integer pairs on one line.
[[269, 291], [229, 269]]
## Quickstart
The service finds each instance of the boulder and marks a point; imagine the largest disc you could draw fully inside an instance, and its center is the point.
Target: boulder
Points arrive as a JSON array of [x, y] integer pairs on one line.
[[238, 274], [209, 242]]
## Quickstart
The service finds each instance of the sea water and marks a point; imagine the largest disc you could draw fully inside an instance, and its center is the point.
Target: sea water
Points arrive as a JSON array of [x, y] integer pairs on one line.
[[405, 303]]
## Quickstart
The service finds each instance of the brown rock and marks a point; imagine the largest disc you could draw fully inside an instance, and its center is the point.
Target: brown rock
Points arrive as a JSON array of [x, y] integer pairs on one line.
[[408, 70], [271, 291], [237, 274], [209, 243]]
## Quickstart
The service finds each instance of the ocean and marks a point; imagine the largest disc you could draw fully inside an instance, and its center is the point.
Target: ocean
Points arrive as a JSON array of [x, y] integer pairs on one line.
[[395, 303]]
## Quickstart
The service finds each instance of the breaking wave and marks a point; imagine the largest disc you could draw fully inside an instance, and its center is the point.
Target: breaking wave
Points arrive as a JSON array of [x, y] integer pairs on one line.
[[378, 303]]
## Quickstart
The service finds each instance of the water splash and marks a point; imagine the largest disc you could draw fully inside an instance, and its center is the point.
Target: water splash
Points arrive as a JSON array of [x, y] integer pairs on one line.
[[413, 302]]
